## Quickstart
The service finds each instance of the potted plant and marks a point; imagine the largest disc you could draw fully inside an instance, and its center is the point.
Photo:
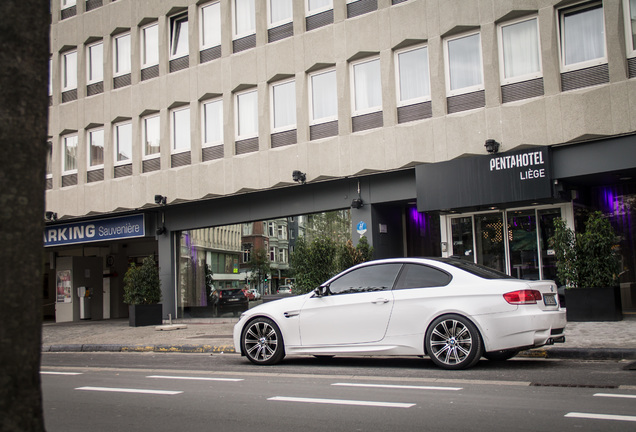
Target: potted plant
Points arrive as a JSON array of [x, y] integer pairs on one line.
[[142, 293], [588, 264]]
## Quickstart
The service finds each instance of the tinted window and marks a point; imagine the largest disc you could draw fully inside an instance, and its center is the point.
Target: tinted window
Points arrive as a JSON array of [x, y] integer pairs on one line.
[[421, 276], [477, 270], [372, 278]]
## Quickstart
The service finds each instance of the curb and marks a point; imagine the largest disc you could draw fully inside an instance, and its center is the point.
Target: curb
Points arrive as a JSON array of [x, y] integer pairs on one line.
[[220, 349]]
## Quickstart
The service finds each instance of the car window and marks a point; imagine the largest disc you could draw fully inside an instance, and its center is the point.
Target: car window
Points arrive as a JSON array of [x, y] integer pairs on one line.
[[421, 276], [378, 277], [477, 269]]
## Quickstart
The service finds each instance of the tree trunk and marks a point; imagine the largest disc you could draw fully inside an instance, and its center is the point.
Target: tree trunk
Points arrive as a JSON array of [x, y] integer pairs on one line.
[[24, 55]]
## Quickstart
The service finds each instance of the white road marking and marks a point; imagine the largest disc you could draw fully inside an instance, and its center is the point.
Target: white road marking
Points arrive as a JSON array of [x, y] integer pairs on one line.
[[342, 402], [128, 390], [60, 373], [601, 416], [615, 395], [195, 378], [390, 386]]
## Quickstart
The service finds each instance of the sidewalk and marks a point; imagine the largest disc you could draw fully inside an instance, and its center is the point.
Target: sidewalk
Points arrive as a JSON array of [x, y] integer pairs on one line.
[[584, 340]]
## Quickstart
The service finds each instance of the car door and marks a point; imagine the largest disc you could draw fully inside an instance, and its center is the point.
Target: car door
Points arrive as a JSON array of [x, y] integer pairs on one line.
[[355, 309]]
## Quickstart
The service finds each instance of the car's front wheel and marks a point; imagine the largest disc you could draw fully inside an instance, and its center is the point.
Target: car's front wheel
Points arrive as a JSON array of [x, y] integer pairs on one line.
[[453, 342], [262, 342]]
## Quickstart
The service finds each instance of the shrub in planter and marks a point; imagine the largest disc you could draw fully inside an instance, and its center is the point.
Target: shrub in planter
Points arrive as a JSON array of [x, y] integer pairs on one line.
[[142, 292], [588, 264]]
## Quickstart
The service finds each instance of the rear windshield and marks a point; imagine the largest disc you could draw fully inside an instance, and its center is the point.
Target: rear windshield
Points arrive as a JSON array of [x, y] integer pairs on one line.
[[477, 269], [230, 291]]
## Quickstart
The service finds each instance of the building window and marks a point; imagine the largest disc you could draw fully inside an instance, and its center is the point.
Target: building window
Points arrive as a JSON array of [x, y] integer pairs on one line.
[[413, 75], [210, 28], [213, 122], [180, 125], [282, 256], [69, 160], [68, 3], [49, 159], [323, 97], [96, 148], [179, 36], [246, 115], [247, 255], [69, 75], [318, 6], [95, 63], [464, 64], [272, 254], [282, 232], [582, 32], [123, 143], [279, 12], [50, 79], [122, 55], [630, 26], [244, 18], [519, 51], [151, 135], [367, 87], [271, 229], [149, 46], [283, 99]]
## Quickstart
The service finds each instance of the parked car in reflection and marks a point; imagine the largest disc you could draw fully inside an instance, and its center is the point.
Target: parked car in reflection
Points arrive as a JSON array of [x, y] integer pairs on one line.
[[255, 293], [249, 294], [448, 309], [231, 300], [284, 289]]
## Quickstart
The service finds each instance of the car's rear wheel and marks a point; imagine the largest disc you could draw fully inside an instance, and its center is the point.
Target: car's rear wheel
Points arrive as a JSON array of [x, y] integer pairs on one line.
[[262, 342], [502, 355], [453, 342]]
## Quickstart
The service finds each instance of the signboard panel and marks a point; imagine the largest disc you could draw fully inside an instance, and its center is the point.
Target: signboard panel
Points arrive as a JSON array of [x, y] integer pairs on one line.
[[116, 228], [484, 180]]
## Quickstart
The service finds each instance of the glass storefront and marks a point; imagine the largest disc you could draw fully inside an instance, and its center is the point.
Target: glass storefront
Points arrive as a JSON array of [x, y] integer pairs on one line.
[[511, 241]]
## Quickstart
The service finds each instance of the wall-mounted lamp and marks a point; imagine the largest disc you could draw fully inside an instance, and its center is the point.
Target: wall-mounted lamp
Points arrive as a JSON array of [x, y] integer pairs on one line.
[[492, 146], [357, 203], [50, 216], [160, 199], [300, 177], [161, 230]]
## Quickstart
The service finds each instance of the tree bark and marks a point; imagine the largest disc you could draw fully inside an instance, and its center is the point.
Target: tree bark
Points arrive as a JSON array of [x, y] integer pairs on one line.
[[24, 56]]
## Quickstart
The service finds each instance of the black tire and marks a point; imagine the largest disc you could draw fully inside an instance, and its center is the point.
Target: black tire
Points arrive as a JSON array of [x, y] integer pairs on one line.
[[502, 355], [262, 342], [453, 342]]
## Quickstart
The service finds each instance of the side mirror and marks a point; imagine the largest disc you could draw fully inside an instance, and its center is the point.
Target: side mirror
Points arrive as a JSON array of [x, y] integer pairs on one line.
[[318, 292]]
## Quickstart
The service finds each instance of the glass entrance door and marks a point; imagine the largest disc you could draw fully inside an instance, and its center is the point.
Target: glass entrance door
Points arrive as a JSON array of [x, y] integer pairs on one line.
[[512, 241]]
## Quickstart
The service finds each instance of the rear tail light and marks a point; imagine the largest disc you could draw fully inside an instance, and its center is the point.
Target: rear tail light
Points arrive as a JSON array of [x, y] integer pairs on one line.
[[523, 297]]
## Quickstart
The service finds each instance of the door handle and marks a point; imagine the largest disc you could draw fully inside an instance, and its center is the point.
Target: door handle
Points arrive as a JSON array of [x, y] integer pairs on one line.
[[380, 300]]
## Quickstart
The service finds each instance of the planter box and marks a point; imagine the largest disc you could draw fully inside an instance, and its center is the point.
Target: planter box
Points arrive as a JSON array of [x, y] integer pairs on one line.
[[145, 315], [593, 304]]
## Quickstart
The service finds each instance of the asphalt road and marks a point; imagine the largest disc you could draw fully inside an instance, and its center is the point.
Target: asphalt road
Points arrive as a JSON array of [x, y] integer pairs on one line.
[[167, 392]]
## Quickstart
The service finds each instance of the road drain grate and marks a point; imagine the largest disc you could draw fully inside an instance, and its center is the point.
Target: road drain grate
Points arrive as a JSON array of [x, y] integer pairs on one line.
[[574, 385]]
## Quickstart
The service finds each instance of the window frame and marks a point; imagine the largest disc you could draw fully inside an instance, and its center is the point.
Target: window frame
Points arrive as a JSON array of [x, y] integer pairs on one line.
[[469, 89], [65, 170], [50, 76], [173, 130], [355, 111], [144, 46], [48, 173], [502, 65], [116, 57], [89, 58], [144, 134], [630, 30], [273, 24], [272, 106], [65, 71], [89, 147], [65, 4], [312, 119], [237, 128], [202, 26], [398, 82], [235, 34], [580, 7], [204, 123], [309, 12], [178, 20], [116, 145]]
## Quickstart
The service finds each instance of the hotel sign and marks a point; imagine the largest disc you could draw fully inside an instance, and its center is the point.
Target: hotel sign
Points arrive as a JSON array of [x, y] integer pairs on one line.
[[484, 180], [116, 228]]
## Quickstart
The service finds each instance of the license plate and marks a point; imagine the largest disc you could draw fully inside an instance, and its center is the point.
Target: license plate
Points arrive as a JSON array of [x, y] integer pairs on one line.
[[549, 300], [235, 299]]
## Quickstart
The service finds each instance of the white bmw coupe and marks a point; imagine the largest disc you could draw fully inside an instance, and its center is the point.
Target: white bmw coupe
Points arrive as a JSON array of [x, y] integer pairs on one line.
[[450, 310]]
